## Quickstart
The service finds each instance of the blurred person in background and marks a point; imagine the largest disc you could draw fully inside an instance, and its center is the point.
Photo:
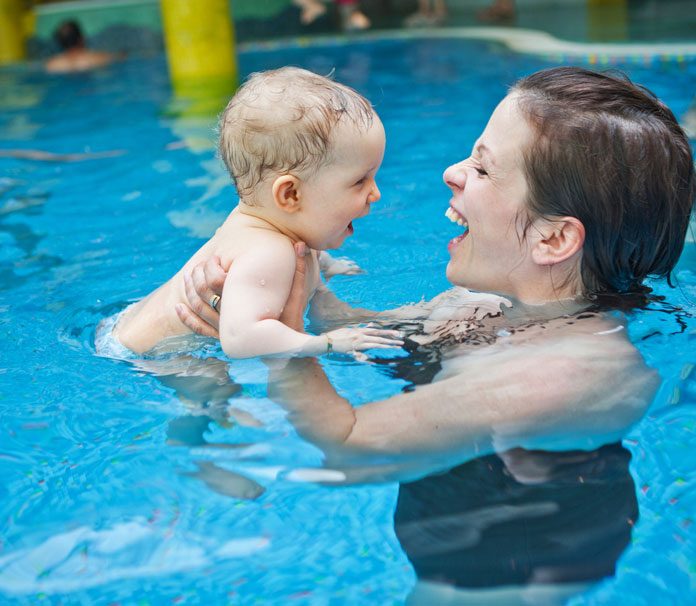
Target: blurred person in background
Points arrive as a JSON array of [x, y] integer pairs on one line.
[[430, 12], [310, 10], [499, 11], [350, 13], [75, 56]]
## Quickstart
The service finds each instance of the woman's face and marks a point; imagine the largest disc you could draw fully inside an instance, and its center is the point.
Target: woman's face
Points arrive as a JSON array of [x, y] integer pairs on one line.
[[488, 193]]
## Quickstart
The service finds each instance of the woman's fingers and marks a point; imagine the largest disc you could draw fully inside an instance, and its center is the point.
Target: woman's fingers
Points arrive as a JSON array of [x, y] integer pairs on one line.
[[214, 274], [194, 323], [293, 311], [200, 299], [203, 287]]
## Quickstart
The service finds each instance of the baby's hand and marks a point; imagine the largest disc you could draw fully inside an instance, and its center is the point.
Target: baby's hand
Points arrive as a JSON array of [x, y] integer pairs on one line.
[[331, 266], [462, 304], [351, 340]]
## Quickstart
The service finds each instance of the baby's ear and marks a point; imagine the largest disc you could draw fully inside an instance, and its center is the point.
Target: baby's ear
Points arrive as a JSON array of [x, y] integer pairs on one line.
[[286, 194]]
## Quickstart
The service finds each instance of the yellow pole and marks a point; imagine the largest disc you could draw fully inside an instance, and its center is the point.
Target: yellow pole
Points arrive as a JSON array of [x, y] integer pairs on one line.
[[607, 20], [11, 31], [200, 41]]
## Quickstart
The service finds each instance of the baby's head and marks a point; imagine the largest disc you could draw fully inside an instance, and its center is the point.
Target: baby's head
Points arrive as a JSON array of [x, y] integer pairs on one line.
[[284, 121], [308, 143]]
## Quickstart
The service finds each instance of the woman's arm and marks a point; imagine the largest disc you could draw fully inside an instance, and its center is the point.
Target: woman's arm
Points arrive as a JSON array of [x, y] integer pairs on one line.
[[552, 396]]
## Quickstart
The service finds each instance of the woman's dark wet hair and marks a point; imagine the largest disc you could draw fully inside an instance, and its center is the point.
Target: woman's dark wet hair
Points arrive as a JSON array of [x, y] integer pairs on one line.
[[609, 153], [68, 35]]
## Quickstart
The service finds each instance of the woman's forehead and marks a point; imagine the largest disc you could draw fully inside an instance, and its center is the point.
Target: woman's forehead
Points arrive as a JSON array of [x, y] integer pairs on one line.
[[507, 133]]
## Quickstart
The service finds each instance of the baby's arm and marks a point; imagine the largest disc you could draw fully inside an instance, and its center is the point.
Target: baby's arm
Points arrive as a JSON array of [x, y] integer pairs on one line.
[[457, 303], [326, 309], [256, 288]]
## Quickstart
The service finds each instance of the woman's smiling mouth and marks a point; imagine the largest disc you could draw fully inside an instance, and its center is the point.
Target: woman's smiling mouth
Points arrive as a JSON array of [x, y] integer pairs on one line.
[[457, 218]]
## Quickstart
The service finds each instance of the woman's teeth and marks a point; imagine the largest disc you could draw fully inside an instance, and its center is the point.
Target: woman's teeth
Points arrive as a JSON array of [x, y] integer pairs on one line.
[[455, 217]]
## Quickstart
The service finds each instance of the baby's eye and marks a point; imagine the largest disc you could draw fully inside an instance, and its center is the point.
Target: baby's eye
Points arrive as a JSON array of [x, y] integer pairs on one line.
[[361, 181]]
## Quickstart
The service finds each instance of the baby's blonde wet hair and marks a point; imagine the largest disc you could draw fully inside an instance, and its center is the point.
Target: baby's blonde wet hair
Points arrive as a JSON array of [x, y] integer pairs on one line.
[[282, 121]]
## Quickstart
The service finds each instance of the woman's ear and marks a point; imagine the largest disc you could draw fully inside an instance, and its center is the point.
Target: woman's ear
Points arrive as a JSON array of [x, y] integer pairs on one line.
[[559, 240], [286, 193]]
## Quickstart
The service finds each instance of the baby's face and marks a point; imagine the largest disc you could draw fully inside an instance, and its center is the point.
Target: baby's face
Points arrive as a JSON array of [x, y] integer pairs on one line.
[[342, 191]]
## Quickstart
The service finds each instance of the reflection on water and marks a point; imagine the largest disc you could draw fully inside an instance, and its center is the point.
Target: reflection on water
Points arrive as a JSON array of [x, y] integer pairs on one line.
[[20, 261], [19, 92], [203, 386], [192, 115]]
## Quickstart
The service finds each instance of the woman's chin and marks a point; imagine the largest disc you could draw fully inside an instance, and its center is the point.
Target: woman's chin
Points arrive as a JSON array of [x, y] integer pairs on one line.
[[451, 273], [459, 277]]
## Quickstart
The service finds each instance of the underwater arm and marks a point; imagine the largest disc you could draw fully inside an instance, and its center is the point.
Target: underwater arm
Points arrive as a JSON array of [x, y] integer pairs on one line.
[[534, 398]]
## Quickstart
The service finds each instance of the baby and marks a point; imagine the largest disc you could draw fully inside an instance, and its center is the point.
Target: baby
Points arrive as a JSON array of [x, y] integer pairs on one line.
[[303, 152]]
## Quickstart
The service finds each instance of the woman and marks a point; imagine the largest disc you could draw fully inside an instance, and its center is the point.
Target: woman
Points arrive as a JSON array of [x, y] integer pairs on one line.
[[580, 187]]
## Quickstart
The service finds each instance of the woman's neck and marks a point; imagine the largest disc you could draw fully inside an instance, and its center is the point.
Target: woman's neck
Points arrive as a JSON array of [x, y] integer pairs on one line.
[[546, 310]]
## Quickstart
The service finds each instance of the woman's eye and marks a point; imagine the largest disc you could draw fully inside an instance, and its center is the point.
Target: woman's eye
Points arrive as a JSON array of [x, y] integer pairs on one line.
[[480, 171]]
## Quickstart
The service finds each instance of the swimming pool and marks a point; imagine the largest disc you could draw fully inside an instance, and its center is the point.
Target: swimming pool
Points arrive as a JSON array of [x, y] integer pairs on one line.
[[115, 491]]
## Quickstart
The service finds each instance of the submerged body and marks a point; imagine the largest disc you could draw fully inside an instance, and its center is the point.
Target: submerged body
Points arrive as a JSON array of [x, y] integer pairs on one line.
[[487, 374]]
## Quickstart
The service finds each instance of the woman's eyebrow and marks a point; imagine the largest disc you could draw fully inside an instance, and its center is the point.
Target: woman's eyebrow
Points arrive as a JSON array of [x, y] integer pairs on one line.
[[482, 150]]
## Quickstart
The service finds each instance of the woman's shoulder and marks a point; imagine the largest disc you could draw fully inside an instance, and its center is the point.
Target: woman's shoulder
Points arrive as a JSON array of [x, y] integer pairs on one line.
[[580, 370]]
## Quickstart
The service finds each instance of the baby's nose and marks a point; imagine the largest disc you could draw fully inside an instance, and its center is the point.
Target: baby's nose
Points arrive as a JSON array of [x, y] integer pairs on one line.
[[375, 194]]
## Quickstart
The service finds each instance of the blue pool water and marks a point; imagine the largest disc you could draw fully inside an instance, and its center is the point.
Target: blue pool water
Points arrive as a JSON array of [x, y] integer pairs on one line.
[[112, 491]]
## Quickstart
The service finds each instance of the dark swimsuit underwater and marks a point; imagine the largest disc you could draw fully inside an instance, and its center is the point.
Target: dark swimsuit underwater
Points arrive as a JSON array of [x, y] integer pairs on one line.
[[518, 517]]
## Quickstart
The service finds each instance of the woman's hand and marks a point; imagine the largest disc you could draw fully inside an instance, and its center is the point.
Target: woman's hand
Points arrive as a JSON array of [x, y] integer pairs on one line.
[[205, 281], [202, 283], [293, 312]]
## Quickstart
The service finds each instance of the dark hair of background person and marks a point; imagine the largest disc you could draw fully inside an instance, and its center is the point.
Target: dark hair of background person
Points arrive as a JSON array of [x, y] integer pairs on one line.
[[68, 35]]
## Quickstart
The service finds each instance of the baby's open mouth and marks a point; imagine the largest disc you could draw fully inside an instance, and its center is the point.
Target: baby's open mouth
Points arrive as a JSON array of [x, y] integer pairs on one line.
[[459, 219], [350, 229]]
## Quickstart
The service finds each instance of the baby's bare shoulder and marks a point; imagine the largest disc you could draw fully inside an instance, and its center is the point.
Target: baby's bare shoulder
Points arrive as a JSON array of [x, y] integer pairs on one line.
[[235, 240]]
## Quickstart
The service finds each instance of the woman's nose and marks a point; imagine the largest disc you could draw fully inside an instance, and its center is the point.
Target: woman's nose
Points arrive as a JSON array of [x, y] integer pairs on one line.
[[455, 176]]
